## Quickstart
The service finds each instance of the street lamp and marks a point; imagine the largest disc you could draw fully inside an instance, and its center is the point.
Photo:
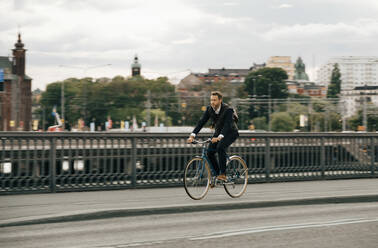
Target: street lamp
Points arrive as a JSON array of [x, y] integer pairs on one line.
[[364, 117], [270, 108], [85, 70]]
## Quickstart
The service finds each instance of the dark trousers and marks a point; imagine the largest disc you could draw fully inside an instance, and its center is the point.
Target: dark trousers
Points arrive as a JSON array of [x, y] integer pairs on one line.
[[220, 148]]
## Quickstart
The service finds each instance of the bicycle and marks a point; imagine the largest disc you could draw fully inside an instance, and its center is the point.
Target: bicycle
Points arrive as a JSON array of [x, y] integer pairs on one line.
[[199, 175]]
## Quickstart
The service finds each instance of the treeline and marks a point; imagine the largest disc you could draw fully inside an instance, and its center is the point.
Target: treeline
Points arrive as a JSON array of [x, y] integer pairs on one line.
[[118, 98], [262, 101]]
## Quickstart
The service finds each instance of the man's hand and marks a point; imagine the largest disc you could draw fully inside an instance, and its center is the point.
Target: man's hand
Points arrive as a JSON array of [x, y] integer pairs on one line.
[[215, 140], [190, 139]]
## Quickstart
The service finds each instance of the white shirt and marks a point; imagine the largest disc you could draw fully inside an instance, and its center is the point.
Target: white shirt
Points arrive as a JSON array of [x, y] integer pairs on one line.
[[216, 112]]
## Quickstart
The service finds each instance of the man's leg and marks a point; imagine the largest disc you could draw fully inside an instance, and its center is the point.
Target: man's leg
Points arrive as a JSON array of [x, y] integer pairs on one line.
[[212, 149], [221, 150]]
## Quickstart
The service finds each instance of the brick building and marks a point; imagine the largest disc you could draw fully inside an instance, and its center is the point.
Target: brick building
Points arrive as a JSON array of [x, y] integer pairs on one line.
[[15, 91], [236, 77]]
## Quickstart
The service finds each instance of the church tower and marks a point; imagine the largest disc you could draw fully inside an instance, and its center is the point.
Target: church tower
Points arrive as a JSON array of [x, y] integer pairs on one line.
[[300, 70], [18, 92], [135, 67], [18, 67]]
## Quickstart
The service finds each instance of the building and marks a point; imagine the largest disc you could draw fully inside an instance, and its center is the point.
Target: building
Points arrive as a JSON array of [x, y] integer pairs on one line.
[[234, 76], [354, 99], [356, 71], [300, 70], [135, 67], [283, 62], [15, 91], [306, 88], [301, 85]]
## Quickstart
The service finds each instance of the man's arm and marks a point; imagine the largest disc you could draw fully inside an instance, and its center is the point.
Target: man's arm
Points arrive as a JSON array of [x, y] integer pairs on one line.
[[205, 117]]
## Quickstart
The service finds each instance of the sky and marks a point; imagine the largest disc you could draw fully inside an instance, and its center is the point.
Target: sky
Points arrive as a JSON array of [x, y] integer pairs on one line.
[[97, 38]]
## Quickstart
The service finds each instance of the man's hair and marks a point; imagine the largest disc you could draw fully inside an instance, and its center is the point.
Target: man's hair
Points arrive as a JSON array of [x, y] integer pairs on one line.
[[217, 93]]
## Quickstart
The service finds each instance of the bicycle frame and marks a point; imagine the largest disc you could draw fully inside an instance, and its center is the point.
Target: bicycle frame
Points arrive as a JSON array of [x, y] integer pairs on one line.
[[206, 158], [206, 172]]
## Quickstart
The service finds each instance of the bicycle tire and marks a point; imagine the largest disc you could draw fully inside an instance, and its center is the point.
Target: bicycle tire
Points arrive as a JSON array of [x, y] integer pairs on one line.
[[197, 177], [237, 177]]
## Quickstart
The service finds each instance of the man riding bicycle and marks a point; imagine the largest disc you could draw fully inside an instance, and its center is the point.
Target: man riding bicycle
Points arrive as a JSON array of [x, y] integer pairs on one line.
[[224, 121]]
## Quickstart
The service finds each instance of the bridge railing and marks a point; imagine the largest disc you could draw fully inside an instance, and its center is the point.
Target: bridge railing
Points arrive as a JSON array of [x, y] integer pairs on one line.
[[55, 162]]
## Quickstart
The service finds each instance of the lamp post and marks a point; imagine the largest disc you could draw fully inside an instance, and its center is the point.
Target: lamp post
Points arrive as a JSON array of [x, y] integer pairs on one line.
[[62, 102], [270, 98], [85, 70]]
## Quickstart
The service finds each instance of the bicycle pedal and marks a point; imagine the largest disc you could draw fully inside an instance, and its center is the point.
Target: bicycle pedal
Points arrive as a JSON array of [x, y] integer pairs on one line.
[[220, 183]]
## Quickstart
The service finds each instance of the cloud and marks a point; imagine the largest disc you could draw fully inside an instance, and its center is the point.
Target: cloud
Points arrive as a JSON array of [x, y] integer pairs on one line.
[[189, 40], [362, 30], [172, 35], [230, 4], [285, 6]]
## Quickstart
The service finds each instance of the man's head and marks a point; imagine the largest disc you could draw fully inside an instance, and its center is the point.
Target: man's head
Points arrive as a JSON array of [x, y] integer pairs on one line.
[[216, 99]]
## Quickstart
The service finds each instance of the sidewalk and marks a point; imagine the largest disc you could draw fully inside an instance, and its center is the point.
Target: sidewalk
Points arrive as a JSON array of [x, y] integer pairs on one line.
[[76, 206]]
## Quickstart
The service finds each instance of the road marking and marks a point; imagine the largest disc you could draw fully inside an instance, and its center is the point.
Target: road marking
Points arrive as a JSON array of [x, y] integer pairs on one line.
[[244, 231], [281, 228]]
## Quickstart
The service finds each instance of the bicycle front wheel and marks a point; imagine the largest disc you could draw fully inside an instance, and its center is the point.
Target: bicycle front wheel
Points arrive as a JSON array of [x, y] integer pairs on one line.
[[197, 178], [237, 177]]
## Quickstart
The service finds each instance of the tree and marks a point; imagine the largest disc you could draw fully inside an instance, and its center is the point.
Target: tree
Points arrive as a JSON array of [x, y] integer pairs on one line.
[[335, 84], [120, 98], [282, 122], [160, 115], [372, 120], [257, 83], [260, 123], [266, 83]]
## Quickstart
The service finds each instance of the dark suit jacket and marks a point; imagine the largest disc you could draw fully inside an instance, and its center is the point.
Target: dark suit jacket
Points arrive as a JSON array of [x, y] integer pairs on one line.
[[223, 122]]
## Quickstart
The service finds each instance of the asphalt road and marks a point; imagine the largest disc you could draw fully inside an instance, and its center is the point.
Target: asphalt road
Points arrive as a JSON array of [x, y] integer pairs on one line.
[[331, 225]]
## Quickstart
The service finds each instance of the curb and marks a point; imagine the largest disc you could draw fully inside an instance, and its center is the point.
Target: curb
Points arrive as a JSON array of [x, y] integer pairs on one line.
[[105, 214]]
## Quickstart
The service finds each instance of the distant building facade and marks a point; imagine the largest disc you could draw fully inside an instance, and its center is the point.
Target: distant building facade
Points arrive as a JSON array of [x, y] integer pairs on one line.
[[306, 88], [283, 62], [356, 71], [354, 99], [301, 85], [193, 81], [15, 91]]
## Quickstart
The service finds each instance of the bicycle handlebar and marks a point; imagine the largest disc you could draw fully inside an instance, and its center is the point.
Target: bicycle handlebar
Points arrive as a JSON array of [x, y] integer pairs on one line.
[[201, 142]]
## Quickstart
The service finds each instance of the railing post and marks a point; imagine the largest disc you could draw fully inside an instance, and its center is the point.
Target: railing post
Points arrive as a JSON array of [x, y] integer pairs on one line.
[[267, 159], [322, 157], [133, 161], [372, 145], [53, 165]]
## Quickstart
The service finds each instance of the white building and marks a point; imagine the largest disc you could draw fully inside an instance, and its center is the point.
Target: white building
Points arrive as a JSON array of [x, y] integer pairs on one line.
[[356, 71], [353, 100]]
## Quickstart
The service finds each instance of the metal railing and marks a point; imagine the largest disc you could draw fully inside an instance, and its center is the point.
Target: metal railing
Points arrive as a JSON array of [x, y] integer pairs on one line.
[[56, 162]]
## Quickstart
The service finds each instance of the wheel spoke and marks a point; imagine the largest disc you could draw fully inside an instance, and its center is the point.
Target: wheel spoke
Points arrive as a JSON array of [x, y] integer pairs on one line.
[[197, 178], [237, 173]]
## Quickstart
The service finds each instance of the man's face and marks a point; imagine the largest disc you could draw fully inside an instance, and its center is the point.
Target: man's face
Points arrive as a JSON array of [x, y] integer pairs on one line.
[[215, 101]]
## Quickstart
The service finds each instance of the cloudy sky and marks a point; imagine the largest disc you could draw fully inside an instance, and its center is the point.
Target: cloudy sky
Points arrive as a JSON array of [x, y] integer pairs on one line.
[[173, 37]]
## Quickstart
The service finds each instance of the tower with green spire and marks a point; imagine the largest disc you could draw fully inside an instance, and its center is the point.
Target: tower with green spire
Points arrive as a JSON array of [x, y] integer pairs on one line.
[[135, 67], [300, 70]]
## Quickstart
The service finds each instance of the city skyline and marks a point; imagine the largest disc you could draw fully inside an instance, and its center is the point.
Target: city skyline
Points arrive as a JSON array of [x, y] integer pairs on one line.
[[173, 38]]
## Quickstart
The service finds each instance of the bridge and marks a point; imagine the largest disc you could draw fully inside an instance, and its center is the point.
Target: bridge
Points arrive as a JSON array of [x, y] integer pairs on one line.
[[57, 162], [125, 190]]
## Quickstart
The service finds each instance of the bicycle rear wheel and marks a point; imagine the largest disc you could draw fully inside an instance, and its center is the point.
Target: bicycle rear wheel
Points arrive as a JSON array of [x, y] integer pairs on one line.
[[197, 178], [237, 177]]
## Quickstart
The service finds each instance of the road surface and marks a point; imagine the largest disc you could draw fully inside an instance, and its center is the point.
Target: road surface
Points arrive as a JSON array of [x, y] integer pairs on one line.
[[331, 225]]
